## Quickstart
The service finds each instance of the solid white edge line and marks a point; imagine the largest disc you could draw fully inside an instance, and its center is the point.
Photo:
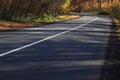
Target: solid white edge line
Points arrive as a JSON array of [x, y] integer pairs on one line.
[[31, 44]]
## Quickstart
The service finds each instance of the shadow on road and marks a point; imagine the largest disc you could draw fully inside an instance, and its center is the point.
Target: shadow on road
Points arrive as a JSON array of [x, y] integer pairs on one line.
[[77, 55]]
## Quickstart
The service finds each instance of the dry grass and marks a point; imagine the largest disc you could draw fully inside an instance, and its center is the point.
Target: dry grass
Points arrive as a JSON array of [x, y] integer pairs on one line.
[[117, 21], [114, 12], [67, 17], [14, 25], [118, 25]]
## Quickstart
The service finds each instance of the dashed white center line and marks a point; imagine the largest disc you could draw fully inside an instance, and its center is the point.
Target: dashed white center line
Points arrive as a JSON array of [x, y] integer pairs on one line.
[[39, 41]]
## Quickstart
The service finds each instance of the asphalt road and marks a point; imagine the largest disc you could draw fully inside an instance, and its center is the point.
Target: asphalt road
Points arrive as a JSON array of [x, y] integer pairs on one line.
[[70, 50]]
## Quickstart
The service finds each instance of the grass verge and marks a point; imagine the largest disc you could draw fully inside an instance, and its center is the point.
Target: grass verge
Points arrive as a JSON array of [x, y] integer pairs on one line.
[[8, 25]]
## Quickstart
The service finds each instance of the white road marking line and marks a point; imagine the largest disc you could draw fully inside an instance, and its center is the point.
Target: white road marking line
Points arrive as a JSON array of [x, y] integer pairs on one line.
[[31, 44]]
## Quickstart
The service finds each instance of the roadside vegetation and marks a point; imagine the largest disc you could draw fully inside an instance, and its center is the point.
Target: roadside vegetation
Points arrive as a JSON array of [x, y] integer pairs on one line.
[[7, 24], [30, 10], [114, 12], [26, 13], [112, 8]]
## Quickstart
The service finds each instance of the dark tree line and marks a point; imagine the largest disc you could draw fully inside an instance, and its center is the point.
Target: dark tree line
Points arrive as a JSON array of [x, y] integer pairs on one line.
[[10, 9]]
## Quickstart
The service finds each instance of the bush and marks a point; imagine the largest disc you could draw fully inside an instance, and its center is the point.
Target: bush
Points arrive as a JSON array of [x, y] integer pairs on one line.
[[45, 18]]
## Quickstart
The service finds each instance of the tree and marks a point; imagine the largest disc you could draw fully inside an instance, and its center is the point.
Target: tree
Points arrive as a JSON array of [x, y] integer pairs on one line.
[[99, 8], [18, 9]]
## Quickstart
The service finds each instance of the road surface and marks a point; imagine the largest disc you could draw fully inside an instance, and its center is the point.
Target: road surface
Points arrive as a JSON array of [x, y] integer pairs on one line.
[[70, 50]]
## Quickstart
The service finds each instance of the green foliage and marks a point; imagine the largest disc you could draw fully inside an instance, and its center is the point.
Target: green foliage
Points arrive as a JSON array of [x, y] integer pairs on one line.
[[22, 19], [45, 18], [66, 6]]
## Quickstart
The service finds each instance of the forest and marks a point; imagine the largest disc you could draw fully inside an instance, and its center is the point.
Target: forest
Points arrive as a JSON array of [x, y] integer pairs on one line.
[[34, 9], [31, 9]]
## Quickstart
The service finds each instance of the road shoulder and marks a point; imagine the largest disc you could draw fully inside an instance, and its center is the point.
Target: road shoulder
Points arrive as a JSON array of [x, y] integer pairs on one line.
[[111, 68]]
